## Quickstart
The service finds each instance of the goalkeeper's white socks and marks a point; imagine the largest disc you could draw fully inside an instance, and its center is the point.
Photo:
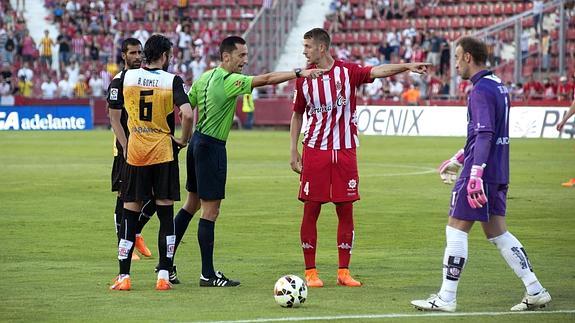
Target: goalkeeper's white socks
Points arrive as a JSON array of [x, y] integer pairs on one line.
[[516, 257], [454, 259]]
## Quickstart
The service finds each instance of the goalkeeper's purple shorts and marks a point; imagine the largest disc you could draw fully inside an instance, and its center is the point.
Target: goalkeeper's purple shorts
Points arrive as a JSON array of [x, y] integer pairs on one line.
[[496, 202]]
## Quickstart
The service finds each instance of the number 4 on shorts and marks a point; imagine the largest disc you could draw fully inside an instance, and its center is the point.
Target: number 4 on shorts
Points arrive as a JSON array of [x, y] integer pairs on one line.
[[306, 188]]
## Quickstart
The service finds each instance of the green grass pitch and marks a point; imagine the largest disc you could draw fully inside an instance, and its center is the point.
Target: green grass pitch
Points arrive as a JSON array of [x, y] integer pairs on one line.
[[58, 253]]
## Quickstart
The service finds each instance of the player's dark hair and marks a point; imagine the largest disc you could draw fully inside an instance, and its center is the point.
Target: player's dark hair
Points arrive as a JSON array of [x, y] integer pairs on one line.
[[129, 42], [319, 35], [228, 45], [475, 47], [155, 47]]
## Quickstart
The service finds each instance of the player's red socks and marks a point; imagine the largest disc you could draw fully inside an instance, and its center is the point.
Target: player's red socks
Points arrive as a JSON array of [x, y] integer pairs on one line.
[[344, 232], [308, 232]]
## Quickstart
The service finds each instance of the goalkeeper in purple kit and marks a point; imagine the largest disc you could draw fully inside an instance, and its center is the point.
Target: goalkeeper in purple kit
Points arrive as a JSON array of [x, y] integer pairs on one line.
[[480, 192]]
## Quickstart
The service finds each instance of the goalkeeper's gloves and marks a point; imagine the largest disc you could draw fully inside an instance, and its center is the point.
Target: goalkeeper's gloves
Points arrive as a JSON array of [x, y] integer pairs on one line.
[[448, 169], [475, 192]]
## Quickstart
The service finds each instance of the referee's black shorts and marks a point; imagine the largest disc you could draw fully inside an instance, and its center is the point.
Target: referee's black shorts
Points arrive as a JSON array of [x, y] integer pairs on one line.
[[206, 167], [159, 182]]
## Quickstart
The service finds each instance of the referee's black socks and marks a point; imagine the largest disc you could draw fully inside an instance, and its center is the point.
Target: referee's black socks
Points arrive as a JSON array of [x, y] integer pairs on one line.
[[206, 241]]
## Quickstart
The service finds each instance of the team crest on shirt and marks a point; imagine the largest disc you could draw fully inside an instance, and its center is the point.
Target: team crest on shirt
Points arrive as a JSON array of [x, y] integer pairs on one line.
[[352, 183], [114, 94], [338, 86], [239, 83]]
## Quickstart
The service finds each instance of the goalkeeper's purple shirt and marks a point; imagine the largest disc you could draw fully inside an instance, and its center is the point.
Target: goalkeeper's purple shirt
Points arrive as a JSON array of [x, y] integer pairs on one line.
[[488, 113]]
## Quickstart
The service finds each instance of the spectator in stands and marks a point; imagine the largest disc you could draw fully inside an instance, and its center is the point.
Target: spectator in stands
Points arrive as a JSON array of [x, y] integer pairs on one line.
[[517, 92], [58, 12], [182, 7], [25, 87], [9, 47], [564, 89], [5, 90], [3, 40], [538, 16], [435, 42], [94, 52], [184, 39], [94, 27], [385, 51], [434, 85], [141, 34], [28, 47], [72, 8], [394, 40], [78, 47], [374, 90], [49, 87], [445, 57], [249, 107], [107, 48], [395, 88], [525, 45], [532, 89], [64, 49], [545, 47], [412, 95], [345, 11], [65, 88], [198, 67], [26, 72], [549, 89], [81, 88], [152, 12], [418, 54], [408, 8], [126, 13], [96, 86], [46, 49], [497, 48]]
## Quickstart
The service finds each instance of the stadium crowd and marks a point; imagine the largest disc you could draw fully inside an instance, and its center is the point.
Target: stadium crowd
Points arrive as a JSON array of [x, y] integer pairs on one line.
[[89, 34]]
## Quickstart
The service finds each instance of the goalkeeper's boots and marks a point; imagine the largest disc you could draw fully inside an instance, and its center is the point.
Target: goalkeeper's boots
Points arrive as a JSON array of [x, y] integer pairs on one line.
[[173, 274], [434, 303], [569, 183], [121, 282], [219, 280], [312, 278], [344, 278], [163, 284], [141, 246], [533, 302], [135, 256]]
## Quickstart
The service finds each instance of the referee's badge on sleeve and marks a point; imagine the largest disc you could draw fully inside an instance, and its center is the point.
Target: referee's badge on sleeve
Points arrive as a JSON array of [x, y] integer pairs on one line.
[[113, 94]]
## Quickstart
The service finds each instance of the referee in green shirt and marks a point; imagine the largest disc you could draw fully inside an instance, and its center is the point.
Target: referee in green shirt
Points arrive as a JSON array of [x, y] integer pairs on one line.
[[214, 94]]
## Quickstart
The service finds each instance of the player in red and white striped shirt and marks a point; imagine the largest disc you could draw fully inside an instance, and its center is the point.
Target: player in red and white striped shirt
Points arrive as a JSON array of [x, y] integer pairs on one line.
[[329, 166]]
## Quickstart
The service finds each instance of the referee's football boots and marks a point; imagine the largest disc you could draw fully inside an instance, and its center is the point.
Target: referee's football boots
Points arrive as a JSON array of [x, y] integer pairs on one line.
[[219, 280]]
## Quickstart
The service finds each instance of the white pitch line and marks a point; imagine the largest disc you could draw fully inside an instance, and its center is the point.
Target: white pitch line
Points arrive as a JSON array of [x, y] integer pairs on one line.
[[391, 315]]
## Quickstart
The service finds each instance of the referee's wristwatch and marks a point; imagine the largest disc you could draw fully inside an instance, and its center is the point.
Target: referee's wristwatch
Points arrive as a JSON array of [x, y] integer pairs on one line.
[[297, 72]]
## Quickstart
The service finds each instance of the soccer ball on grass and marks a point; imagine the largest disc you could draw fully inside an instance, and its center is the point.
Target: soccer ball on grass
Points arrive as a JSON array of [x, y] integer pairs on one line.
[[290, 291]]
